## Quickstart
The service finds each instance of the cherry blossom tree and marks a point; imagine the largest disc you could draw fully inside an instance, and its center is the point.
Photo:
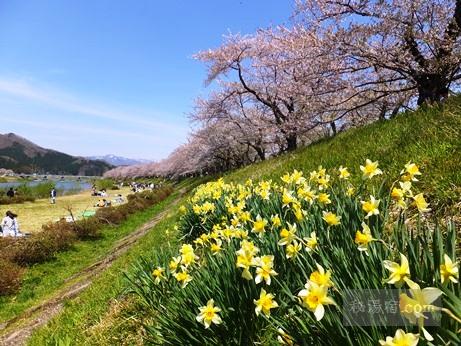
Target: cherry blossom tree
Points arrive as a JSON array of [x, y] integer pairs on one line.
[[391, 46], [258, 73]]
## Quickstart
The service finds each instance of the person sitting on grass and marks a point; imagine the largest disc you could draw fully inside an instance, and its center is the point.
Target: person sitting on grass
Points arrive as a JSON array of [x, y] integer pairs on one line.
[[10, 225], [103, 203], [119, 199], [10, 193]]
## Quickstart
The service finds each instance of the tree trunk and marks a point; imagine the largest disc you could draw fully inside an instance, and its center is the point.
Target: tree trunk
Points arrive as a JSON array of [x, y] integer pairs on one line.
[[260, 152], [292, 141], [432, 89], [333, 128]]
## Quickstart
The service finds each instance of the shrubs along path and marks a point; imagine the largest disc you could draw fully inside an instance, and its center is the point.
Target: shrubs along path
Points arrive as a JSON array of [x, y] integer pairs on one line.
[[21, 327]]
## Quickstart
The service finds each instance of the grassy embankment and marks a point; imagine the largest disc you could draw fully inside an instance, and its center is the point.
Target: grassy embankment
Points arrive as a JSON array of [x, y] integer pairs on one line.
[[431, 138], [41, 281], [32, 215]]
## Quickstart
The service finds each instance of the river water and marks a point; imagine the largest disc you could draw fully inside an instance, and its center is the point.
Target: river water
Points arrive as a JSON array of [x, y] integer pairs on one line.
[[61, 185]]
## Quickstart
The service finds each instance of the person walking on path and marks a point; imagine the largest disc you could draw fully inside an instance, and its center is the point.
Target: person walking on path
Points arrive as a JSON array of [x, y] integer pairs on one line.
[[53, 196], [10, 226]]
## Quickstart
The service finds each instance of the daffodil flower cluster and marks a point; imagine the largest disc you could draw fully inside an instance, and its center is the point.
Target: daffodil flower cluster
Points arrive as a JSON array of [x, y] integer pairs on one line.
[[262, 228], [420, 302], [403, 195]]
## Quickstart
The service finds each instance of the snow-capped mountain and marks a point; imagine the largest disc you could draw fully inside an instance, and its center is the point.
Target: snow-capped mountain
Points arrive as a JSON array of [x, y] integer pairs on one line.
[[115, 160]]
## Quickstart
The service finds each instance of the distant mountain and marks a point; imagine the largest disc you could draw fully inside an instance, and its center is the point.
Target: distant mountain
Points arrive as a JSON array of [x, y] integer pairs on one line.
[[118, 160], [23, 156]]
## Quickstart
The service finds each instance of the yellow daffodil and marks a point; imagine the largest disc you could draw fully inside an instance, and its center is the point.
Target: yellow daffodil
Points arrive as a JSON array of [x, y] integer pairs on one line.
[[286, 178], [314, 297], [311, 242], [186, 248], [249, 247], [244, 216], [449, 271], [410, 171], [275, 220], [370, 169], [400, 339], [182, 209], [413, 308], [399, 272], [299, 213], [363, 238], [264, 194], [397, 194], [174, 263], [157, 273], [287, 198], [314, 175], [323, 181], [235, 222], [305, 193], [188, 256], [259, 225], [209, 314], [245, 261], [343, 173], [324, 198], [245, 258], [208, 207], [331, 218], [265, 270], [421, 203], [321, 277], [197, 209], [293, 249], [265, 303], [241, 234], [297, 177], [287, 235], [216, 247], [371, 207], [183, 277], [350, 191]]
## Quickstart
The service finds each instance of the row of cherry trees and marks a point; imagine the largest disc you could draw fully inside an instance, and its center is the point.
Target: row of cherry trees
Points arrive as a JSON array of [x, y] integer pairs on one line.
[[340, 63]]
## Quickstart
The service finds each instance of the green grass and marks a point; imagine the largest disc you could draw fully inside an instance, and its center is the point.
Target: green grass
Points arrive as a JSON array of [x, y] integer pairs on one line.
[[42, 280], [95, 310], [429, 137]]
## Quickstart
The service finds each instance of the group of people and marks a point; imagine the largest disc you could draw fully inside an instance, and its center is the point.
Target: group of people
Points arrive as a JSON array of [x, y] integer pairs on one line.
[[139, 187], [95, 193], [10, 226], [102, 203]]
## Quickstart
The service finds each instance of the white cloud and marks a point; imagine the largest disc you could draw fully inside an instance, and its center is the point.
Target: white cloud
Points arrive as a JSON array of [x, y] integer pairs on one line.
[[58, 99]]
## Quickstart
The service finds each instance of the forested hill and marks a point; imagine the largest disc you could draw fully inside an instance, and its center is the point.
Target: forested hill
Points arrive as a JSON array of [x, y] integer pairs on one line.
[[23, 156]]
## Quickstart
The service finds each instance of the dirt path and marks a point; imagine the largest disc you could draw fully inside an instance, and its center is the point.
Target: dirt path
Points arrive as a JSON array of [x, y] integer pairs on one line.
[[37, 316]]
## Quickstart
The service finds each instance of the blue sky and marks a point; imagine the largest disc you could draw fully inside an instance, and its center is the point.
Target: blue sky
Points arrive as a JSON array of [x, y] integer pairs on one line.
[[94, 77]]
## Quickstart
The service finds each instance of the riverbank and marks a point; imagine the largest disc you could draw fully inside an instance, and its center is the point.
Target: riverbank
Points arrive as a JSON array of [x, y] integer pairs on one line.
[[32, 215]]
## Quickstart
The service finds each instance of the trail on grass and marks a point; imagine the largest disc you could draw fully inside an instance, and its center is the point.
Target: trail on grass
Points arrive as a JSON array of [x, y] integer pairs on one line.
[[22, 326]]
